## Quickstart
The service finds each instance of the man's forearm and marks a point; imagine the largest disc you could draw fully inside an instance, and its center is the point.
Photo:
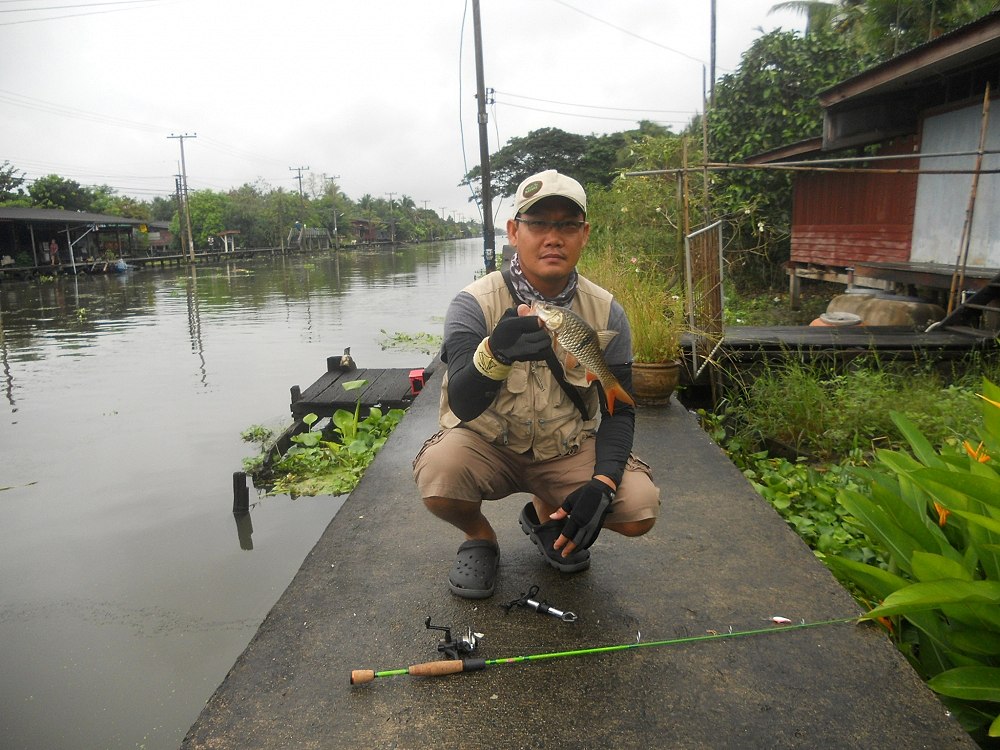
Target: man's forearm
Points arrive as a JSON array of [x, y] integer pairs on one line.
[[469, 391]]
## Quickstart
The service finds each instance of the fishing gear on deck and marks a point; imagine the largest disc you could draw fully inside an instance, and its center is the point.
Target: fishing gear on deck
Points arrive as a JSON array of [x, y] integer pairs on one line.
[[460, 646], [543, 608], [454, 666]]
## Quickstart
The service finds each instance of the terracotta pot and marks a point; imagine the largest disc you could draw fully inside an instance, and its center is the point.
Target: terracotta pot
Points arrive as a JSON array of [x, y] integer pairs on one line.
[[654, 382]]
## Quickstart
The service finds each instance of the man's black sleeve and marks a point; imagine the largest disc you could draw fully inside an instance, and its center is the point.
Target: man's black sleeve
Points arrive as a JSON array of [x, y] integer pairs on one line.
[[616, 431], [469, 391]]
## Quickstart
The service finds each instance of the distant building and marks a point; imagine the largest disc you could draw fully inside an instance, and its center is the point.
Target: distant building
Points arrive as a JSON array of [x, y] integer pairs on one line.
[[883, 229], [26, 235]]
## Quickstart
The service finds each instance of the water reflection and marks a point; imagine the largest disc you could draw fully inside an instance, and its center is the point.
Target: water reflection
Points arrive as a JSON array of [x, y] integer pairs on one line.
[[124, 399], [194, 322]]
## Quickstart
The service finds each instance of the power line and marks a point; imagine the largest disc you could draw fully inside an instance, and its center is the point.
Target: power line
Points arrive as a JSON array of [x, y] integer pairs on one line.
[[68, 15], [29, 102], [595, 106], [593, 117], [629, 33], [82, 5]]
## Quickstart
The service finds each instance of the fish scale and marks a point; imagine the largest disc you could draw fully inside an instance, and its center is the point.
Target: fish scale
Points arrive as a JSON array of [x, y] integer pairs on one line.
[[576, 336]]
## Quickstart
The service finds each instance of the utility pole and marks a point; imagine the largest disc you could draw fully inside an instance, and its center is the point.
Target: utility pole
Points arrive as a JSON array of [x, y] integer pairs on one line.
[[392, 221], [180, 206], [333, 204], [711, 70], [300, 170], [184, 192], [489, 236]]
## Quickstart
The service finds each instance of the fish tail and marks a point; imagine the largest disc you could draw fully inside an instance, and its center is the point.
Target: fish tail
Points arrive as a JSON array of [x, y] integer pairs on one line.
[[617, 393], [612, 394]]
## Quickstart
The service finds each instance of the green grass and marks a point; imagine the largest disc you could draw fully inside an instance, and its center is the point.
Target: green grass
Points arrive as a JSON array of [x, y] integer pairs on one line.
[[799, 430]]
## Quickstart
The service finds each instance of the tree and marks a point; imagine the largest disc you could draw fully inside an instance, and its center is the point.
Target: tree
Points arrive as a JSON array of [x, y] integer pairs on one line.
[[891, 27], [107, 201], [162, 209], [886, 28], [591, 159], [53, 191], [770, 101], [207, 208], [11, 192]]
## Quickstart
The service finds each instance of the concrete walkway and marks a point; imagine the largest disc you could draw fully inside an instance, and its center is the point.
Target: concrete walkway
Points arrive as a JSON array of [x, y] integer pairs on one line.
[[719, 558]]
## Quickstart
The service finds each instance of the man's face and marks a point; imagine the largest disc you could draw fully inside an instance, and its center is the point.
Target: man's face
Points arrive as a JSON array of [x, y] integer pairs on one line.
[[548, 255]]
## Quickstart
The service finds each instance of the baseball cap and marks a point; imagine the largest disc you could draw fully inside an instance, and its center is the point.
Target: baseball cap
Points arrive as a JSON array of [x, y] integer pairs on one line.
[[545, 185]]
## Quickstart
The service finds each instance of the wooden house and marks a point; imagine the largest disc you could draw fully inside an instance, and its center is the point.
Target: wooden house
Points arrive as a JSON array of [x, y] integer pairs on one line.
[[915, 193], [35, 237]]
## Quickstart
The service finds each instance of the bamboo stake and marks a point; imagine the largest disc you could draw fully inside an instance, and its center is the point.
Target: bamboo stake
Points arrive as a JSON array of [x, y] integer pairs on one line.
[[958, 277]]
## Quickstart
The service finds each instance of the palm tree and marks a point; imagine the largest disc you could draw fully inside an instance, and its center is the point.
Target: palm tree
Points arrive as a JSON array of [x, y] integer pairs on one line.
[[819, 15], [888, 27]]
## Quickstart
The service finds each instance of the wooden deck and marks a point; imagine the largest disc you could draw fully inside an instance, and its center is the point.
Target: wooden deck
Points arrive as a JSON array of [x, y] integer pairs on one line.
[[747, 343], [848, 337], [746, 349], [388, 388]]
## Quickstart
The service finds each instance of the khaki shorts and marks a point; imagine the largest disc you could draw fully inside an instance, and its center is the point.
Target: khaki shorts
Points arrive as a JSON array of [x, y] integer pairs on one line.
[[459, 464]]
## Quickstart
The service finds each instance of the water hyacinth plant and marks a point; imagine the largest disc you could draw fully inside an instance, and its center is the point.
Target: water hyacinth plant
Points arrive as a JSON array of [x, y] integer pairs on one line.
[[936, 514], [321, 464]]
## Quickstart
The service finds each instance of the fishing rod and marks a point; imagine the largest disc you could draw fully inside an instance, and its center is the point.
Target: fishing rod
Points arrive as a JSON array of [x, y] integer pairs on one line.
[[454, 666]]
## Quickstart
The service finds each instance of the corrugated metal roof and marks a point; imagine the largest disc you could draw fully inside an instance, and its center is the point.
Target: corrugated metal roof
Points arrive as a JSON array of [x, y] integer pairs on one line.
[[60, 216]]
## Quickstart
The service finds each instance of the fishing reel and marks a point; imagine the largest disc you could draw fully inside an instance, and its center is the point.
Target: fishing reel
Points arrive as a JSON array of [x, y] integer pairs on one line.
[[456, 648]]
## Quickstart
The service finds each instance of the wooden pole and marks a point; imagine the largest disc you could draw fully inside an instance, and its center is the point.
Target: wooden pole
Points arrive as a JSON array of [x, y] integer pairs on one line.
[[958, 277]]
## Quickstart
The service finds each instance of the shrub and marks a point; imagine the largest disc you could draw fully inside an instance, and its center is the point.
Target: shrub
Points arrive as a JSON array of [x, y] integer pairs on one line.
[[936, 513]]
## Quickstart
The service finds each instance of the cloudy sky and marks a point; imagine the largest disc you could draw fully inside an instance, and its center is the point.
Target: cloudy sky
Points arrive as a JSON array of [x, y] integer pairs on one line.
[[377, 93]]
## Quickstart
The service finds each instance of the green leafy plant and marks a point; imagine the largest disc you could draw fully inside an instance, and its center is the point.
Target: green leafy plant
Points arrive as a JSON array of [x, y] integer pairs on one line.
[[318, 464], [806, 498], [937, 516], [824, 410], [263, 437], [635, 249], [803, 494], [427, 343]]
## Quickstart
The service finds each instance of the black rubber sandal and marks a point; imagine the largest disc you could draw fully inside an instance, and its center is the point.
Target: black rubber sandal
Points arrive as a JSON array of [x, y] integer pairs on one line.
[[544, 536], [474, 574]]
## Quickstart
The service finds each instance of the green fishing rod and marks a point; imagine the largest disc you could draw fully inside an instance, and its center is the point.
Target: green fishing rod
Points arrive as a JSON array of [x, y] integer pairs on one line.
[[454, 666]]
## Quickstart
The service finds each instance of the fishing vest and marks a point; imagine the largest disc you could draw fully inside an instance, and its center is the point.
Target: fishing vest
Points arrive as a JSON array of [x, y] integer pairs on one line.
[[531, 411]]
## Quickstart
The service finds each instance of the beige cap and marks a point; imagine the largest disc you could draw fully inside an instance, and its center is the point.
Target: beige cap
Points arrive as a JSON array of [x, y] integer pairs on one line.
[[545, 185]]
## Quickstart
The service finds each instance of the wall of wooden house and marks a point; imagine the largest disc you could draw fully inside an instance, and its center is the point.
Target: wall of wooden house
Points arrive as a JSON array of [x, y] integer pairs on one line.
[[839, 219], [943, 200]]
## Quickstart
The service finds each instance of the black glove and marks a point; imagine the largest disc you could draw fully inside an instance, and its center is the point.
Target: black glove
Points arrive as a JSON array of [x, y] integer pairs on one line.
[[587, 507], [518, 339]]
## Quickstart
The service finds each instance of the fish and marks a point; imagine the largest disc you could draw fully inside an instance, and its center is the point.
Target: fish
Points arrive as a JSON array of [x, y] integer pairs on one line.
[[586, 346]]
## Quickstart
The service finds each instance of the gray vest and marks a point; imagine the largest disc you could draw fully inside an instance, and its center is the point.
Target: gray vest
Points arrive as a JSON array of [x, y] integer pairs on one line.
[[531, 411]]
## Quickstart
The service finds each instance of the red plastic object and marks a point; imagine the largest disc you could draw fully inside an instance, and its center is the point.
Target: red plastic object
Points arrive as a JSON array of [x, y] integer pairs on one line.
[[416, 381]]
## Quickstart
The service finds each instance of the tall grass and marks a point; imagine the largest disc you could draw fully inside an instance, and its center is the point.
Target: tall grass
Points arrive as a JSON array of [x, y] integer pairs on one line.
[[826, 413]]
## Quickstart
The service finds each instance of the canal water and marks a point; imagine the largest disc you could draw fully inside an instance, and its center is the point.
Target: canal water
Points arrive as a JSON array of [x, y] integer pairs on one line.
[[125, 592]]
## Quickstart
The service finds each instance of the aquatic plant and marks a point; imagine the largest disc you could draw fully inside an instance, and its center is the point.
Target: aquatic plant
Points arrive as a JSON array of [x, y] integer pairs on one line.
[[324, 462], [936, 513]]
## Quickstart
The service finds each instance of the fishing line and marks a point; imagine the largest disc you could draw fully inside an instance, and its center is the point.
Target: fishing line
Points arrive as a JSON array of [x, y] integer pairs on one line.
[[454, 666]]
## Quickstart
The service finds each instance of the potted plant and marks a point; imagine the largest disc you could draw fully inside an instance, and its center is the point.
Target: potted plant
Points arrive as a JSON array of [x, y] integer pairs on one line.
[[655, 308], [634, 252]]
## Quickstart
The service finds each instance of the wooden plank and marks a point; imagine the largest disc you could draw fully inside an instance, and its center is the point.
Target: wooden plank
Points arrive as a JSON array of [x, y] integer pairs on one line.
[[869, 338], [388, 387]]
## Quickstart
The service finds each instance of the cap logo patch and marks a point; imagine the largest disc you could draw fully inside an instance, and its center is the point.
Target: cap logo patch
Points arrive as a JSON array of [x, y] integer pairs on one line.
[[531, 188]]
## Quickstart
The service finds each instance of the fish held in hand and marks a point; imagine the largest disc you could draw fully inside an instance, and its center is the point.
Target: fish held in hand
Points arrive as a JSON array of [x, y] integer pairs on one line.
[[585, 344]]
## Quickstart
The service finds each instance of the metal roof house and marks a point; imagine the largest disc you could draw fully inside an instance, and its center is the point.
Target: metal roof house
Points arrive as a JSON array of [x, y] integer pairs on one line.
[[26, 235], [929, 201]]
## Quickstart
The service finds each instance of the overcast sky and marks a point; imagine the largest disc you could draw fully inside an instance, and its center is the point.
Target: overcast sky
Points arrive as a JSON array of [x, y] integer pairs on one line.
[[378, 93]]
